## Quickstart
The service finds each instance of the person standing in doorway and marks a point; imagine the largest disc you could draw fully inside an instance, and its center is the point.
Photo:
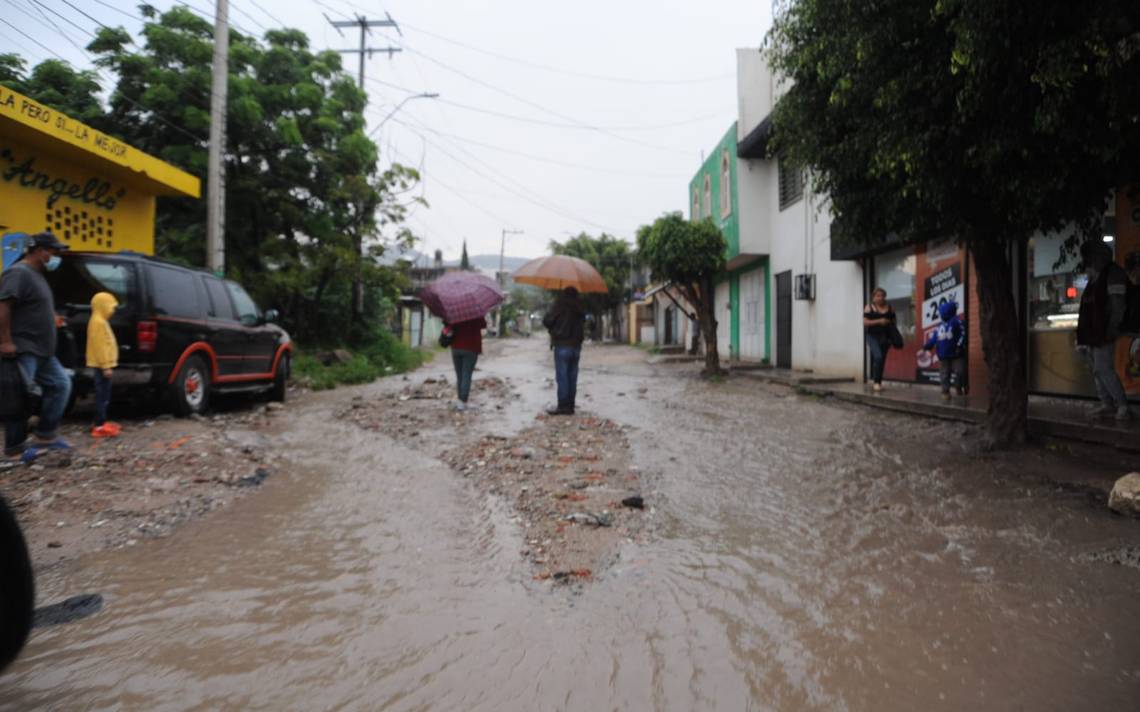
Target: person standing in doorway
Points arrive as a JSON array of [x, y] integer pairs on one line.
[[1099, 320], [566, 324], [466, 345], [28, 334], [878, 317]]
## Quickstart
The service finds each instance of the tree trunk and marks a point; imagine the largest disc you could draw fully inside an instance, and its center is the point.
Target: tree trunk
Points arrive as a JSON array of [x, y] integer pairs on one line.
[[702, 300], [1007, 414], [358, 280]]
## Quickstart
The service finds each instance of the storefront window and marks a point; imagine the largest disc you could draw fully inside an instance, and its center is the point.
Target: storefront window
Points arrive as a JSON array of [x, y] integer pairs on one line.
[[1054, 290], [895, 272]]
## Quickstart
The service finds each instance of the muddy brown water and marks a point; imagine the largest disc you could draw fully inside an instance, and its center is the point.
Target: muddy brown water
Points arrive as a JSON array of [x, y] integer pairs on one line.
[[808, 556]]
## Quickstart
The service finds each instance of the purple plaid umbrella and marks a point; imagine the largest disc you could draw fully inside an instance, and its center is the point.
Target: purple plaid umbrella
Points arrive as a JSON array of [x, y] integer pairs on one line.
[[461, 296]]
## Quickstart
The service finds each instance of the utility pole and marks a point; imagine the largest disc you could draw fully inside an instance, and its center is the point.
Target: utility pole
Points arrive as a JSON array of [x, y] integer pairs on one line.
[[215, 171], [365, 26], [502, 278]]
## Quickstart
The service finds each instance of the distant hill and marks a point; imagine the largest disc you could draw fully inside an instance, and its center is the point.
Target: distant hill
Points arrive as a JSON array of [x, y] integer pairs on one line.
[[491, 262]]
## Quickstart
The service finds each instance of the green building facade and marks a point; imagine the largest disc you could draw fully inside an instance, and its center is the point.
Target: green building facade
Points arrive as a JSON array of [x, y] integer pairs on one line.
[[713, 194]]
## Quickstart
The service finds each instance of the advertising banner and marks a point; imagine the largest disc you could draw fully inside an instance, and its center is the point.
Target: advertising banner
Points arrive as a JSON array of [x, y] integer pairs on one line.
[[942, 281]]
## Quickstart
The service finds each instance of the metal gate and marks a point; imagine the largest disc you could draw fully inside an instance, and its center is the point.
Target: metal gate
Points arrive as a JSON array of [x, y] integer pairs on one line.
[[784, 320]]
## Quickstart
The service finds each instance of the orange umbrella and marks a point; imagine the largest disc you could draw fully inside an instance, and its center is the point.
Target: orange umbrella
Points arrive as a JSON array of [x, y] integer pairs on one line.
[[559, 272]]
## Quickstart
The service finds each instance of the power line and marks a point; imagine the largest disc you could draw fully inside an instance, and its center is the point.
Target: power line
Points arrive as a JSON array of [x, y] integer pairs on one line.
[[122, 96], [574, 122], [119, 10], [539, 202], [553, 161], [568, 72], [84, 13], [250, 17]]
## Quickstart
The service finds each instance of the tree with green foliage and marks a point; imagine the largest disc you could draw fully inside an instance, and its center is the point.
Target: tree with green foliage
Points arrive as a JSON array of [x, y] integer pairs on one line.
[[464, 263], [613, 258], [688, 255], [56, 84], [982, 120], [306, 203]]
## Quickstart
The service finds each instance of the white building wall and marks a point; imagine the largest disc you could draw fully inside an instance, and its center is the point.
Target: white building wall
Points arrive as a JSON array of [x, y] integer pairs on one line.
[[754, 90], [827, 333]]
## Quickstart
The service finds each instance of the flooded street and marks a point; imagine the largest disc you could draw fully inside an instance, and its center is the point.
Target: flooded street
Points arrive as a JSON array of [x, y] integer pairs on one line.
[[806, 555]]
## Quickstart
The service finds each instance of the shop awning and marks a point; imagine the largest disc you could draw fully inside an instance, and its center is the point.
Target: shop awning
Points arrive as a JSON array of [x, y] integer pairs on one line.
[[744, 259], [33, 124], [755, 144]]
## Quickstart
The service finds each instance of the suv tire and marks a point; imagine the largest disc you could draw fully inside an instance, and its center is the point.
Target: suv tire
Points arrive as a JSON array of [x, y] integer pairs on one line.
[[280, 389], [17, 587], [190, 392]]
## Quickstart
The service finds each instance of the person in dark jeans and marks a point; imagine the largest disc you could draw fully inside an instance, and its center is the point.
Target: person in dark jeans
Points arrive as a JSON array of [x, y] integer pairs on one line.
[[466, 346], [1102, 311], [877, 318], [28, 334], [566, 324]]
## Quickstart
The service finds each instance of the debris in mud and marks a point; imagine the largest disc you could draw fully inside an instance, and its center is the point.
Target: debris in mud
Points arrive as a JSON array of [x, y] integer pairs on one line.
[[1125, 495], [565, 480], [1122, 556], [634, 502], [72, 609], [158, 474], [424, 407]]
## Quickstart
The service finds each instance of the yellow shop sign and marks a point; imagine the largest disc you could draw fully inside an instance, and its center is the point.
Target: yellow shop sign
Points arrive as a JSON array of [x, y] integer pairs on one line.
[[92, 190]]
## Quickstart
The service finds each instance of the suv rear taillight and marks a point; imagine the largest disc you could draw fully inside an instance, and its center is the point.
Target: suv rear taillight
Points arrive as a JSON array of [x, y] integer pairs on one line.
[[147, 336]]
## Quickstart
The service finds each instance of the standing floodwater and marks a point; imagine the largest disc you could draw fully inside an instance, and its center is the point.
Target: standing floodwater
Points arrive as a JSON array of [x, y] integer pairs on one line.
[[806, 556]]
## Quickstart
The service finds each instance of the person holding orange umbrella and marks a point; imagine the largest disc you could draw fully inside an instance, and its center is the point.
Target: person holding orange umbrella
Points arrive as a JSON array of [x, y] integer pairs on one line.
[[566, 324], [566, 319]]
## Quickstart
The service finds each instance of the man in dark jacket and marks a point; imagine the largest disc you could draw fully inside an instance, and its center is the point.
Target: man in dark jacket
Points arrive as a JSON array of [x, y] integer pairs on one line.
[[565, 323], [1098, 326]]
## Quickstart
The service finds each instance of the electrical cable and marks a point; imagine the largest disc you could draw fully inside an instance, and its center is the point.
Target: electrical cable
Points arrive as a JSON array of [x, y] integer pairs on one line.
[[538, 201], [119, 10], [124, 97]]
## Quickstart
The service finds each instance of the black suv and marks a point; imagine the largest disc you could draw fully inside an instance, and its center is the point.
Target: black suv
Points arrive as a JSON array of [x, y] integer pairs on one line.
[[183, 334]]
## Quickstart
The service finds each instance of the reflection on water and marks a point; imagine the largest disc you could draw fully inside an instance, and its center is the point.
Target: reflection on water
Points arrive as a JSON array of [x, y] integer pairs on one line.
[[809, 557]]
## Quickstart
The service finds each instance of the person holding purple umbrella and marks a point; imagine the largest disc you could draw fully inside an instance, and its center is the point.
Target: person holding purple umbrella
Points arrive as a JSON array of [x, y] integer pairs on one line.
[[466, 345]]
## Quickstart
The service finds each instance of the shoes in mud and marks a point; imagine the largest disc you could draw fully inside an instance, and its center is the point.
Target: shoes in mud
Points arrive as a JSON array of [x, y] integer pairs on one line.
[[560, 410], [945, 395], [1123, 414], [106, 430], [1101, 411], [877, 388], [460, 406]]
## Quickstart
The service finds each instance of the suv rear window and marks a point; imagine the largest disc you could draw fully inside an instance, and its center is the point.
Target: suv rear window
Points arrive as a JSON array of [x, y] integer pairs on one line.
[[80, 278], [175, 292]]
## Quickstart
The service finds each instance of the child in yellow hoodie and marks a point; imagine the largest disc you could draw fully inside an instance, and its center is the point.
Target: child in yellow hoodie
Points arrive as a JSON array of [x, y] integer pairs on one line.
[[102, 358]]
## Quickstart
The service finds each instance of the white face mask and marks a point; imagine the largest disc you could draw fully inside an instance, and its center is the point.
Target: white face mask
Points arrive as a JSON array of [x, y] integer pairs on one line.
[[53, 263]]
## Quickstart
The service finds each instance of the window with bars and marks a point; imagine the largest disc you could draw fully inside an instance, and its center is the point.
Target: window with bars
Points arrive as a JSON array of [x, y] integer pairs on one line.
[[708, 197], [791, 182]]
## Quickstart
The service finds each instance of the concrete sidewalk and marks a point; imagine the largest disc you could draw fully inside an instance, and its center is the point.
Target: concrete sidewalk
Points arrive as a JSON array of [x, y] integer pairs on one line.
[[1048, 417]]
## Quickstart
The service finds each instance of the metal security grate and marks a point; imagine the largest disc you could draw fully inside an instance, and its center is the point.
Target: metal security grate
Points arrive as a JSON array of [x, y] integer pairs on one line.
[[80, 228], [791, 183]]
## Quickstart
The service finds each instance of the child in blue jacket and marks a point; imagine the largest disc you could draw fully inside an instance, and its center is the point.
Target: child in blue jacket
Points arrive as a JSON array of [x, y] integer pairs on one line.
[[949, 341]]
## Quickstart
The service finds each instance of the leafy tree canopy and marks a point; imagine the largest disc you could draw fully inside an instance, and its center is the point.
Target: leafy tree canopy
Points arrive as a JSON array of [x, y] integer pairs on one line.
[[690, 255], [981, 120], [307, 203]]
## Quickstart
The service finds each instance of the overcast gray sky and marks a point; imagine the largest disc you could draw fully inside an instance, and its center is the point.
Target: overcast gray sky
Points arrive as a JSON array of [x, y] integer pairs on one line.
[[553, 118]]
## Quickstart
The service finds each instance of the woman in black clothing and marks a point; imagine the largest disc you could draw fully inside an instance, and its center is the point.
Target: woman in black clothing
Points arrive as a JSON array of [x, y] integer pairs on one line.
[[877, 318]]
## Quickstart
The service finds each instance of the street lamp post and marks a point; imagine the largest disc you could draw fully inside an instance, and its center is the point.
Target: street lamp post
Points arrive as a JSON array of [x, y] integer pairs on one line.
[[424, 95]]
